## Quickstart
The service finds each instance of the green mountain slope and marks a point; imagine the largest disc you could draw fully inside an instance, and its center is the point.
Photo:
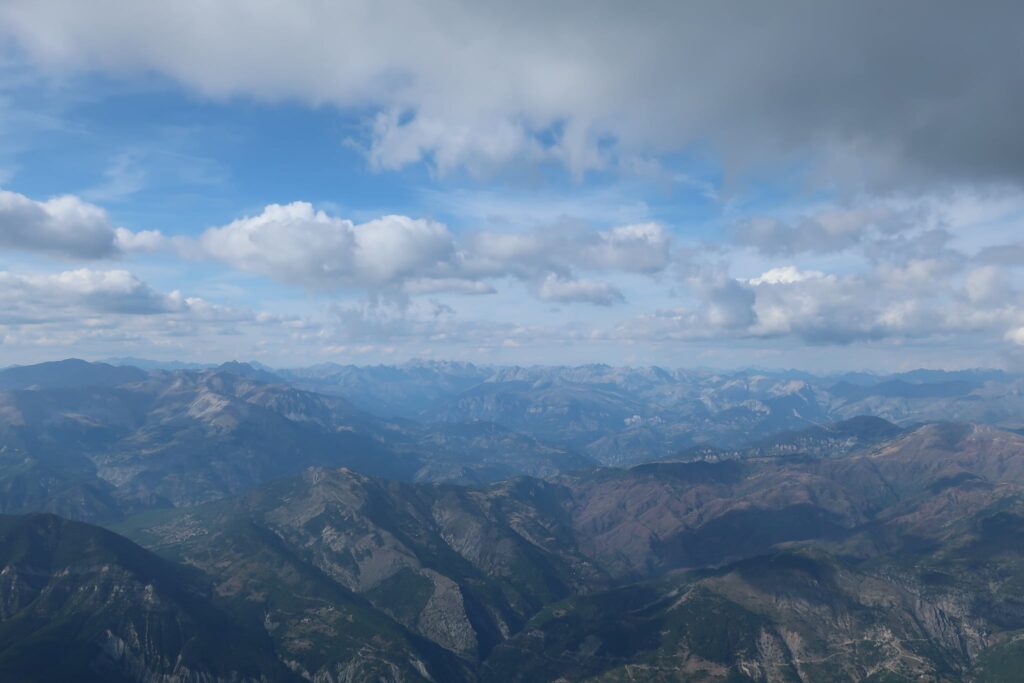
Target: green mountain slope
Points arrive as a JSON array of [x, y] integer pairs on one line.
[[81, 603]]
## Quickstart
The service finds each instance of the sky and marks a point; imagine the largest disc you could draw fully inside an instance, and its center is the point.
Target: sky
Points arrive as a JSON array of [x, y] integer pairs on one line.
[[813, 185]]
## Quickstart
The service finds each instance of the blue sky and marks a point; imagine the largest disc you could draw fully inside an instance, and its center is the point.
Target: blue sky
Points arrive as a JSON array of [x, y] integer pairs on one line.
[[297, 183]]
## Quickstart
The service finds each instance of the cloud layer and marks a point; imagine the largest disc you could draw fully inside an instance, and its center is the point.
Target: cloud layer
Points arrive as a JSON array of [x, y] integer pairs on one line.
[[299, 245], [903, 278], [796, 176], [882, 95]]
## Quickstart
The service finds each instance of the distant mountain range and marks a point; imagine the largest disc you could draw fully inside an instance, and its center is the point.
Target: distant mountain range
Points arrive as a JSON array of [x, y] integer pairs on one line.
[[619, 416], [95, 441], [279, 533]]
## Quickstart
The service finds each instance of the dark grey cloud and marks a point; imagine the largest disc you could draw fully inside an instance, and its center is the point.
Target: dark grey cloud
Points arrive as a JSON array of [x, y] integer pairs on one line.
[[1002, 254], [807, 234], [880, 94]]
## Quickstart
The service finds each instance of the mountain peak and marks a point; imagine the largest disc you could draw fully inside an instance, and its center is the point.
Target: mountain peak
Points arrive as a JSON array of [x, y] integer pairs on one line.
[[249, 371], [68, 373]]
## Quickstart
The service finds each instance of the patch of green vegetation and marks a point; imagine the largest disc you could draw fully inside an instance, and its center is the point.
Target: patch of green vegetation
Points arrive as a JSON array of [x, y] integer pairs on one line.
[[714, 628], [627, 633], [1001, 664], [83, 582], [403, 595]]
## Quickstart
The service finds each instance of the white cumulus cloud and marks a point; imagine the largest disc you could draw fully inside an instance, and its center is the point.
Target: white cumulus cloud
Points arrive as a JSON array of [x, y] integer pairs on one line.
[[39, 296], [298, 244], [63, 226], [67, 227]]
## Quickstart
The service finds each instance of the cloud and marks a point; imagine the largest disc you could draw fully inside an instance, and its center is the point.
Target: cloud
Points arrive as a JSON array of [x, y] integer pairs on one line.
[[482, 147], [396, 247], [123, 178], [69, 228], [296, 244], [987, 284], [1002, 254], [162, 162], [827, 230], [550, 259], [817, 310], [377, 323], [144, 240], [644, 248], [1015, 335], [482, 84], [41, 296], [639, 248], [727, 303], [785, 275], [96, 312], [917, 299], [76, 295], [65, 227], [554, 288], [447, 285], [891, 301], [370, 323]]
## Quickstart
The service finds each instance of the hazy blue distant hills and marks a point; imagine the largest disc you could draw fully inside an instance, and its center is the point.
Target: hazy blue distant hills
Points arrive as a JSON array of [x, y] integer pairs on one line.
[[406, 391], [95, 441], [609, 415], [256, 372], [68, 374], [147, 364], [184, 437], [621, 415], [975, 376], [898, 388]]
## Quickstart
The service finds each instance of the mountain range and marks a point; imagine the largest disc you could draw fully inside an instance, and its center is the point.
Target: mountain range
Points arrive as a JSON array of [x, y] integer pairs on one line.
[[246, 524], [621, 416]]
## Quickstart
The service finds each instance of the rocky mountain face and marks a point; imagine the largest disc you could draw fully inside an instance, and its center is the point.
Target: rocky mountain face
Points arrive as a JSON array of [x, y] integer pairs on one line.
[[80, 603], [792, 616], [462, 567], [898, 561], [909, 569]]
